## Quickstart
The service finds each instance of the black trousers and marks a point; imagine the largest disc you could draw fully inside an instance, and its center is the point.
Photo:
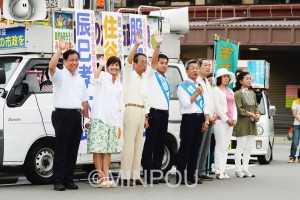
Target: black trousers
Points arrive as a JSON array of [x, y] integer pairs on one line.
[[68, 131], [210, 158], [190, 141], [153, 151]]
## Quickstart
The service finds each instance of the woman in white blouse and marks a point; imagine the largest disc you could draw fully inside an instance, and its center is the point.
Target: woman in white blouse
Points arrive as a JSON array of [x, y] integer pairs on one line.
[[226, 119], [103, 134]]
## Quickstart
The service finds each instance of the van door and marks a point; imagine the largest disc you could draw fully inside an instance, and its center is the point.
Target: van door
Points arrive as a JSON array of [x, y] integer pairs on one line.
[[23, 123]]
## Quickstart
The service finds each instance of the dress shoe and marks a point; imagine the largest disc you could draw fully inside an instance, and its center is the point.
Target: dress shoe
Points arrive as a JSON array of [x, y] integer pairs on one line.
[[59, 187], [153, 182], [195, 181], [205, 178], [163, 180], [137, 182], [71, 186]]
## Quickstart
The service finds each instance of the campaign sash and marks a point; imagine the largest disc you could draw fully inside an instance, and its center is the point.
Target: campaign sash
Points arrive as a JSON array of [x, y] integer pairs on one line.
[[190, 88], [164, 85]]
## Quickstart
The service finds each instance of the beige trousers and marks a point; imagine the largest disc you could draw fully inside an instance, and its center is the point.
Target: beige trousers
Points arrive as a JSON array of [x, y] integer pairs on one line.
[[134, 118]]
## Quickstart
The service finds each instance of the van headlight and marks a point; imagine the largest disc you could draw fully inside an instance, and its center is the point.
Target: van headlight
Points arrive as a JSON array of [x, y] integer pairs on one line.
[[260, 130]]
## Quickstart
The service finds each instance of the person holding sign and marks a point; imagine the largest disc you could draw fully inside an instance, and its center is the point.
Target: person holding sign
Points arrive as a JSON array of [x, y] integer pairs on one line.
[[226, 119], [103, 135], [246, 128], [70, 99], [194, 123], [158, 95], [135, 114]]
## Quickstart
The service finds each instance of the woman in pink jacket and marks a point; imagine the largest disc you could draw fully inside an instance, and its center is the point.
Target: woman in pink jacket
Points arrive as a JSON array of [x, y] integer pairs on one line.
[[226, 119]]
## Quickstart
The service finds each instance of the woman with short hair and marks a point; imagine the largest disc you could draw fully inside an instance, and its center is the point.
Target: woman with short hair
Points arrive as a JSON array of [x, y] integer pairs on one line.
[[105, 116]]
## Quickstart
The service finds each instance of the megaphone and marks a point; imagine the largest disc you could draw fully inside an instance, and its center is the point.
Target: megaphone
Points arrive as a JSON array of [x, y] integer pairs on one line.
[[24, 10], [179, 18]]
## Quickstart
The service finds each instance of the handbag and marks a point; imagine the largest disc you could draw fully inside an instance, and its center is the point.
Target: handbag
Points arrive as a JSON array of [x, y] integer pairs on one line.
[[290, 133]]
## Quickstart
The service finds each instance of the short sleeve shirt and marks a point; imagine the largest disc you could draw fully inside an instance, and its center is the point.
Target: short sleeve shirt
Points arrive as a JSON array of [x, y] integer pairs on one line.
[[296, 107], [68, 91]]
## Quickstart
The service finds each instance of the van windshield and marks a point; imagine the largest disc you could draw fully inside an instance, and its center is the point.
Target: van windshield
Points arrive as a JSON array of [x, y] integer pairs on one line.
[[261, 104], [9, 64]]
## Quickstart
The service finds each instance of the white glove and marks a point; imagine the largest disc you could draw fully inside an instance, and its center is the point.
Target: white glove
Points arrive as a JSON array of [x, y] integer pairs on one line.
[[86, 123]]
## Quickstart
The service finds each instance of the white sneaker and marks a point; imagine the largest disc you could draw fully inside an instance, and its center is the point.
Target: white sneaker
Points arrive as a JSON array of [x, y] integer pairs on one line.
[[248, 174], [240, 174], [226, 176]]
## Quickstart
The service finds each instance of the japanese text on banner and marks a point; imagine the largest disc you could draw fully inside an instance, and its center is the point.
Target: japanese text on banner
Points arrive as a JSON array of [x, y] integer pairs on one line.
[[139, 22], [85, 42], [112, 34]]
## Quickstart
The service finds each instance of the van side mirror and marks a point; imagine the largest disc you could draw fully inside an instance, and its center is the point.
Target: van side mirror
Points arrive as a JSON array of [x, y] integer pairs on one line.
[[2, 76], [272, 111]]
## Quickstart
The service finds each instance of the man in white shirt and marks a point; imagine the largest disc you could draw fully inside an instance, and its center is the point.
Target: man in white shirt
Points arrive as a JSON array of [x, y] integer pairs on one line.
[[204, 71], [70, 98], [135, 114], [158, 95], [194, 123]]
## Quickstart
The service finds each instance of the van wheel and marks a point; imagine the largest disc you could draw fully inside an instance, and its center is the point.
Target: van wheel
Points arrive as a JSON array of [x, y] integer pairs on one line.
[[168, 159], [38, 166], [266, 159]]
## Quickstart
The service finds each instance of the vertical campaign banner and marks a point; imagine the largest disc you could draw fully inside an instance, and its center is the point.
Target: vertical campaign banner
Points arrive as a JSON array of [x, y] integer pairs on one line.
[[86, 47], [139, 22], [226, 55], [126, 35], [152, 28], [98, 33], [257, 70], [63, 25], [112, 34]]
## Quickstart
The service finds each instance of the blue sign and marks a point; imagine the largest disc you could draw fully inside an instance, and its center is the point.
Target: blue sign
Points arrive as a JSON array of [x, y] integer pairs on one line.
[[257, 70], [12, 37]]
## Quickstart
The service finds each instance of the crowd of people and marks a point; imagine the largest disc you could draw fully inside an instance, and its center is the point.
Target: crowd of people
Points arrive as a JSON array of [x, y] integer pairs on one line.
[[209, 116]]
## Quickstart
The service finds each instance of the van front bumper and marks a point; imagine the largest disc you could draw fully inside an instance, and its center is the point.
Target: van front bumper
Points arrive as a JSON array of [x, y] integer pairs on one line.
[[259, 147]]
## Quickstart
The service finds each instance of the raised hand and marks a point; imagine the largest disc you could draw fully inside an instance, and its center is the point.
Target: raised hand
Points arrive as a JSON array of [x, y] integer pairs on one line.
[[158, 38], [102, 61], [62, 44], [138, 38]]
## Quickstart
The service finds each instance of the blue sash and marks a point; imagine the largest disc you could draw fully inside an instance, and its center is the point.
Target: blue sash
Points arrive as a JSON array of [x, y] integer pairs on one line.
[[164, 85], [190, 88]]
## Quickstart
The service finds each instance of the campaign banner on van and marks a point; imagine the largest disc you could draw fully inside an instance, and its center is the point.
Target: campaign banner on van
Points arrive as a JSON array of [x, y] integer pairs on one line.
[[126, 35], [139, 22], [99, 32], [152, 29], [63, 25], [12, 37], [257, 70], [86, 47], [112, 34], [226, 55]]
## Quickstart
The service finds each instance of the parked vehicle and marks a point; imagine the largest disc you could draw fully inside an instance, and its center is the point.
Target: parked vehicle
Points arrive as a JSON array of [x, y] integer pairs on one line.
[[264, 141]]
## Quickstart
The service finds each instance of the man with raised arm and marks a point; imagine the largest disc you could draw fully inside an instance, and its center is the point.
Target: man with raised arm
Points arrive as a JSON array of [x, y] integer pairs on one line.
[[135, 114], [158, 96], [70, 99]]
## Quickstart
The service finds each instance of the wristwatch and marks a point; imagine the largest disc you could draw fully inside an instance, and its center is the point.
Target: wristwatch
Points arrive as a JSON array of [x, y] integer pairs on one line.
[[207, 122]]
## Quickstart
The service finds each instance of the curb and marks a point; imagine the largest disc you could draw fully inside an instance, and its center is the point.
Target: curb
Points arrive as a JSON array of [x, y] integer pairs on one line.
[[282, 140]]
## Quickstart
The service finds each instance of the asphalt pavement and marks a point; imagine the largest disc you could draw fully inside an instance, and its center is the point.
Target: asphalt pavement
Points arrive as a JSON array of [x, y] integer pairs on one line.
[[276, 181]]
